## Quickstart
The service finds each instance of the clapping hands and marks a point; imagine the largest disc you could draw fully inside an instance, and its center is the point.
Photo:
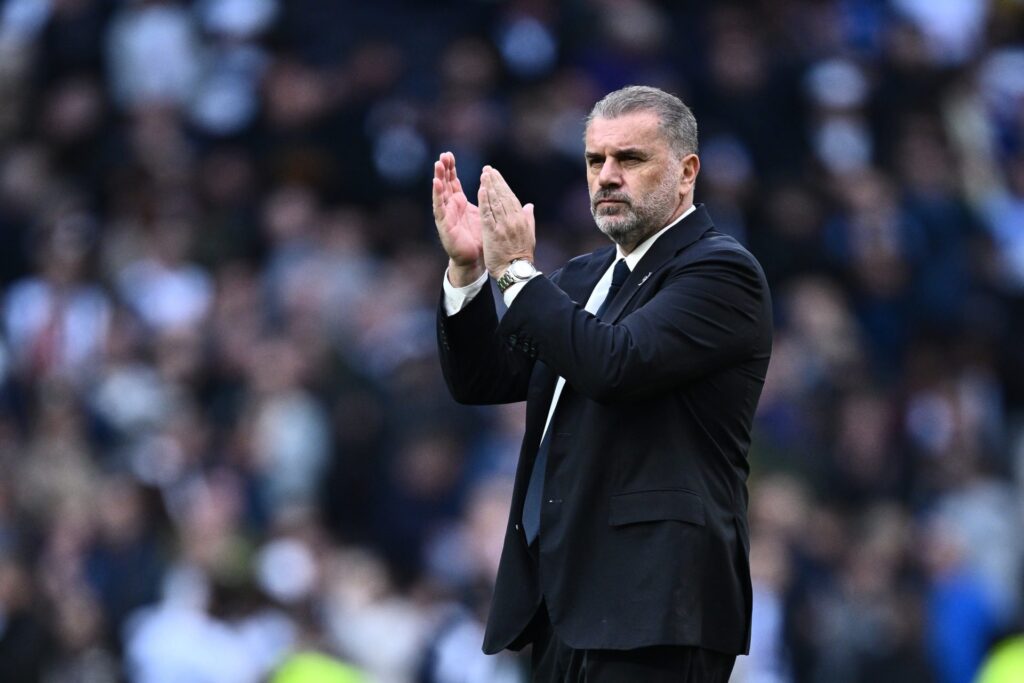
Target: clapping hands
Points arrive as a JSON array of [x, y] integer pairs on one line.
[[508, 226], [490, 235]]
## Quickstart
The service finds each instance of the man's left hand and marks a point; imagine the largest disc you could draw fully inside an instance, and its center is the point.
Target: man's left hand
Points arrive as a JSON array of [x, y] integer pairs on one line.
[[508, 226]]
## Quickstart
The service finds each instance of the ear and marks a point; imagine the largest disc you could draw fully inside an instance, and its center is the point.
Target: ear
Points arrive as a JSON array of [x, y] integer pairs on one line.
[[688, 170]]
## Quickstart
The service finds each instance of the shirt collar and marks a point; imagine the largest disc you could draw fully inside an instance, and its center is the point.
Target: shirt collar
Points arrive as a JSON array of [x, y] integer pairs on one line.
[[633, 257]]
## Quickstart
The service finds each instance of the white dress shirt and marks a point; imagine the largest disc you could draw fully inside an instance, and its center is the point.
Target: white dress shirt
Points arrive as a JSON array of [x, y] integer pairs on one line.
[[456, 298]]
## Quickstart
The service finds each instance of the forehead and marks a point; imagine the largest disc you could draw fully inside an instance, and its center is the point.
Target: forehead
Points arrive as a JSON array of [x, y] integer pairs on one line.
[[636, 129]]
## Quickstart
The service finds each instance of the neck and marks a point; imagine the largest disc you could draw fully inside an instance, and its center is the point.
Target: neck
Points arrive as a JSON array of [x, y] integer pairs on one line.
[[685, 202], [626, 248]]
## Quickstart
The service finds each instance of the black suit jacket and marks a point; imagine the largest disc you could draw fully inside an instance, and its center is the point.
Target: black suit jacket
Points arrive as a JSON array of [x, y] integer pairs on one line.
[[643, 535]]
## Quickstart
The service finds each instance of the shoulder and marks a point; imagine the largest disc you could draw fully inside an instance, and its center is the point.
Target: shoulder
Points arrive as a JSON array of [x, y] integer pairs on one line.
[[718, 260], [722, 248]]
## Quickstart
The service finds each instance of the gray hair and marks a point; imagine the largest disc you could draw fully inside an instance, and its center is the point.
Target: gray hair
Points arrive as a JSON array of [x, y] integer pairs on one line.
[[678, 124]]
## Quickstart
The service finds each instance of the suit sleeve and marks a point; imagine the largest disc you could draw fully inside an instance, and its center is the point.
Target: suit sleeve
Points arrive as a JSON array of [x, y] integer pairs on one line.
[[479, 366], [707, 315]]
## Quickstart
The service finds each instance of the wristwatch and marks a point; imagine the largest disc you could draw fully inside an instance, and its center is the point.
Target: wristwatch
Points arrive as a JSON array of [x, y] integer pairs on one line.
[[519, 270]]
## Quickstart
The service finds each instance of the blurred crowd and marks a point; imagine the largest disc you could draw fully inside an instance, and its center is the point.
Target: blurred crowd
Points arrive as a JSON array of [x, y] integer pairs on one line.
[[226, 451]]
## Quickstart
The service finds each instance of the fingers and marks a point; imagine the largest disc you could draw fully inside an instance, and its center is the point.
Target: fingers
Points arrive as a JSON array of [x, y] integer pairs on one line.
[[444, 168], [441, 181], [448, 163], [451, 175], [487, 197], [497, 198], [445, 172], [503, 195], [436, 191], [492, 210], [494, 195], [497, 202], [484, 202]]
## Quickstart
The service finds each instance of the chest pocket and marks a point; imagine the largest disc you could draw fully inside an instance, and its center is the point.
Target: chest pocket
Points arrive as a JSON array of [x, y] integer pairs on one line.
[[654, 506]]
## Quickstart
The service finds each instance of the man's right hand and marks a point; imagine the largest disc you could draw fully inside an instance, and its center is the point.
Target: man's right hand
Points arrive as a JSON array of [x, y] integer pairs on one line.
[[458, 224]]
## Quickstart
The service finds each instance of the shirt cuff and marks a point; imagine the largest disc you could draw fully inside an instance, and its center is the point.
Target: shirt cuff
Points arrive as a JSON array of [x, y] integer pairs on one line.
[[513, 290], [456, 298]]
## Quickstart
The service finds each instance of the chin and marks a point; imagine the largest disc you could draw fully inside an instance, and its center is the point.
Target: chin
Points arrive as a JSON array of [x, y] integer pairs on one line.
[[619, 231]]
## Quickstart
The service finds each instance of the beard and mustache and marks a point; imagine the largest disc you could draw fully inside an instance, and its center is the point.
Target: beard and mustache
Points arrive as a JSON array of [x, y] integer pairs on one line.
[[633, 219]]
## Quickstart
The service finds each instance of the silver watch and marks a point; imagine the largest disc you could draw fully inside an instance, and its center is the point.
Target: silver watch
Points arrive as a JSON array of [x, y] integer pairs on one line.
[[519, 270]]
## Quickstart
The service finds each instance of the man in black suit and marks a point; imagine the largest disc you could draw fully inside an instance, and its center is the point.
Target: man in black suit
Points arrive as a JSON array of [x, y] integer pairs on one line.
[[625, 556]]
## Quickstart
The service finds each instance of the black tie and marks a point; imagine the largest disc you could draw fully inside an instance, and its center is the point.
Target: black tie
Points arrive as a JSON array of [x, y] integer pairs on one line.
[[535, 489], [619, 276]]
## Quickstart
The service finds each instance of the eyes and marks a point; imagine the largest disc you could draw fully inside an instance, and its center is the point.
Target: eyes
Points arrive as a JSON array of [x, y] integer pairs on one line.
[[627, 159]]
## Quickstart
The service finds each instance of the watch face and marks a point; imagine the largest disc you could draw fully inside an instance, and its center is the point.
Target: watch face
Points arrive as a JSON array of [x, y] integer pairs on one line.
[[521, 269]]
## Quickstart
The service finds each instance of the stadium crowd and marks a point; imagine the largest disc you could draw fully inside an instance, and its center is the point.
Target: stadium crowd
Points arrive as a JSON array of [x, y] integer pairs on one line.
[[226, 451]]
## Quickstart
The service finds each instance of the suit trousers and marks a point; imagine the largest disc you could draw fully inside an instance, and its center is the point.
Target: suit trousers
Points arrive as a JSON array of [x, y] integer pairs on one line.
[[553, 661]]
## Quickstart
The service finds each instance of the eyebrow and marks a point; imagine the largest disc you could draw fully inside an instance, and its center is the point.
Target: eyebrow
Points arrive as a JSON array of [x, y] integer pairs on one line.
[[624, 152]]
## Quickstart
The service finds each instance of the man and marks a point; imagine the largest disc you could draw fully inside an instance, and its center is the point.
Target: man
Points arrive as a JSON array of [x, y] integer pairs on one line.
[[625, 556]]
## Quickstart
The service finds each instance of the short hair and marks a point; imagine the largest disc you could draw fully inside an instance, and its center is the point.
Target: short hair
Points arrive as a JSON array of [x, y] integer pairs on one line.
[[677, 122]]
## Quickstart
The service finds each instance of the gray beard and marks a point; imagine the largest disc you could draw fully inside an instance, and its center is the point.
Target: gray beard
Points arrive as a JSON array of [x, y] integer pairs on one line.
[[630, 223]]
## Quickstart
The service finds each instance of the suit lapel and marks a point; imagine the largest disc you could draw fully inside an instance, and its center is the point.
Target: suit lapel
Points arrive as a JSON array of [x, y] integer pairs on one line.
[[682, 235]]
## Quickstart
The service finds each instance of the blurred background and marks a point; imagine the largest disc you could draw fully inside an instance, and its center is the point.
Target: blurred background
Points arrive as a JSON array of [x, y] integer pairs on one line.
[[226, 451]]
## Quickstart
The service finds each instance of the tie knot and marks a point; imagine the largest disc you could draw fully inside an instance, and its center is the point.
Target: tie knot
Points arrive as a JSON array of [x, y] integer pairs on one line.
[[620, 273]]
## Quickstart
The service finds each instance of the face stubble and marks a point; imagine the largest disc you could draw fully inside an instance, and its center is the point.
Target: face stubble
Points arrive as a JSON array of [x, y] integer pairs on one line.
[[635, 218]]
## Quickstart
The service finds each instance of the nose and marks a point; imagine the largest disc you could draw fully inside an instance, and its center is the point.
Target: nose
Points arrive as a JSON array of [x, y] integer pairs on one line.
[[611, 173]]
